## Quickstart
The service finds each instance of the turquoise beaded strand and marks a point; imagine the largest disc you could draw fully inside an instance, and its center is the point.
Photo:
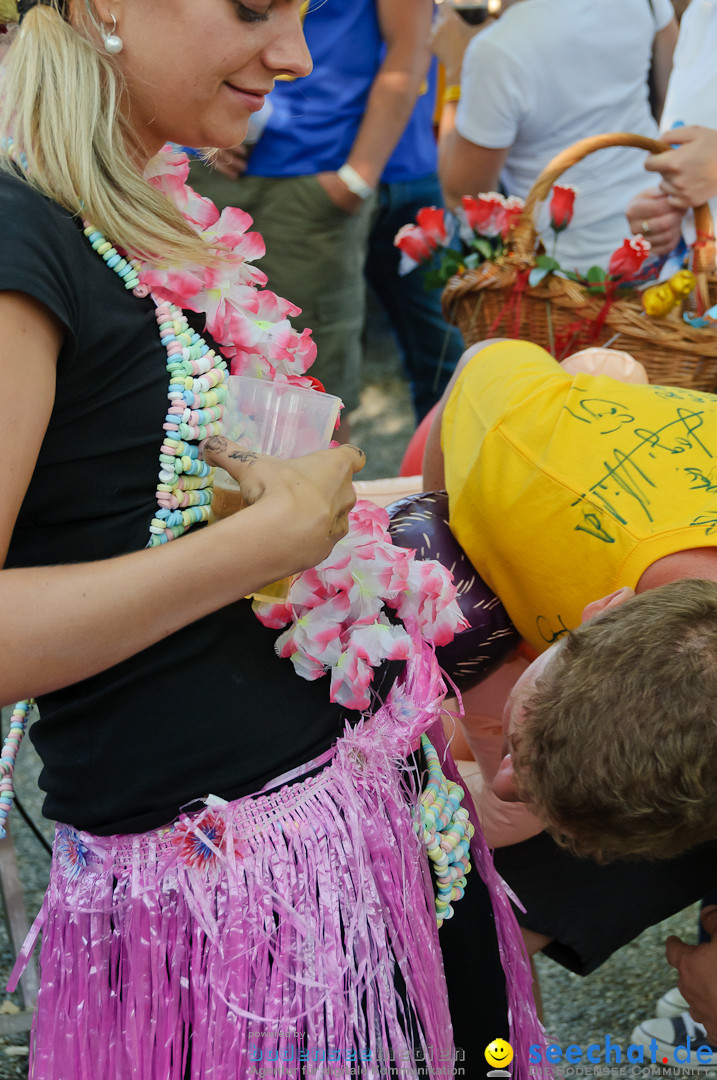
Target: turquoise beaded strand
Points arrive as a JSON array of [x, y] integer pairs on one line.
[[126, 269]]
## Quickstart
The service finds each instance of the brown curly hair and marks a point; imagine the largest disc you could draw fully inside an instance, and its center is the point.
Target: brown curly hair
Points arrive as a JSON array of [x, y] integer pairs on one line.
[[617, 751]]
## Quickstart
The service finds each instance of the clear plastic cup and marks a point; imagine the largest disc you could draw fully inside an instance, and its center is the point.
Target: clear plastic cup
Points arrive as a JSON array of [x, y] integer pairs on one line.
[[272, 418]]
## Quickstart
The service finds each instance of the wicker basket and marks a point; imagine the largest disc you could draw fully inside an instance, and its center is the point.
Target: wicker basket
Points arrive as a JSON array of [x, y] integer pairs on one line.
[[494, 300]]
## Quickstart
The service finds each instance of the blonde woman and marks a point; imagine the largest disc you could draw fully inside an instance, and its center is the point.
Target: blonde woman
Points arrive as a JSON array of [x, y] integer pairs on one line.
[[238, 880]]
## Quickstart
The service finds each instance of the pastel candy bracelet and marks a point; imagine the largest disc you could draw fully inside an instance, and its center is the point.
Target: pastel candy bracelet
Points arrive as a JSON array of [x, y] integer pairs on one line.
[[447, 833]]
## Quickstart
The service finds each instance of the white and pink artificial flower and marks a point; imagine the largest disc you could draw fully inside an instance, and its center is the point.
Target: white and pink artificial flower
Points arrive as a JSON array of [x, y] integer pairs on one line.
[[337, 612]]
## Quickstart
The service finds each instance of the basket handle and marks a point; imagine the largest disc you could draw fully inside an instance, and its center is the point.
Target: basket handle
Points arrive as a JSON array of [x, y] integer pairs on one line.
[[524, 231]]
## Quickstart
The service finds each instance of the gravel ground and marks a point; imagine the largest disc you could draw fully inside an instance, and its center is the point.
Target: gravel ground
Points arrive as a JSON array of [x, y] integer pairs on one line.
[[580, 1011]]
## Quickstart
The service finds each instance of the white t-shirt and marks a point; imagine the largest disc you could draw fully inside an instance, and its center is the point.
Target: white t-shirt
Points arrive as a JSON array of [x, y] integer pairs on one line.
[[692, 89], [550, 72]]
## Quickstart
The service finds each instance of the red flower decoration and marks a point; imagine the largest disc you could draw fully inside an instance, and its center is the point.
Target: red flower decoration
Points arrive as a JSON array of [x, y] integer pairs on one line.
[[419, 241], [561, 206], [626, 261], [485, 214], [201, 838], [432, 221], [413, 243], [491, 214]]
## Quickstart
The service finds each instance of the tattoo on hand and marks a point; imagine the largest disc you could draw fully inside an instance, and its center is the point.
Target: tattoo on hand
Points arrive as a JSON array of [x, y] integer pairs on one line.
[[248, 456], [216, 443]]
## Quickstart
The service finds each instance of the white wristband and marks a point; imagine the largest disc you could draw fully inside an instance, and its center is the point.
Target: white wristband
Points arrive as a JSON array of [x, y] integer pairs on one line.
[[354, 182]]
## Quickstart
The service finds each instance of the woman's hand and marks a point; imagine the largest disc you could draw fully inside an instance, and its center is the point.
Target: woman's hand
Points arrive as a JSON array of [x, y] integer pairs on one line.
[[310, 496], [689, 171], [652, 215]]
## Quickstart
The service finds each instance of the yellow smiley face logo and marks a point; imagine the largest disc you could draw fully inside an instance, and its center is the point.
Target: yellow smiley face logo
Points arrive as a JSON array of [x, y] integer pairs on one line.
[[499, 1053]]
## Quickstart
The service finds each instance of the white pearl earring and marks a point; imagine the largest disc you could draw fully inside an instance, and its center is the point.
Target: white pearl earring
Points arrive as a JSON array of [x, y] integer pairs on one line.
[[113, 42]]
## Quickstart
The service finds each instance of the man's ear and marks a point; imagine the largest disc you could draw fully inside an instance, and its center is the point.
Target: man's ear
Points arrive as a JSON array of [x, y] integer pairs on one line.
[[504, 781], [606, 602]]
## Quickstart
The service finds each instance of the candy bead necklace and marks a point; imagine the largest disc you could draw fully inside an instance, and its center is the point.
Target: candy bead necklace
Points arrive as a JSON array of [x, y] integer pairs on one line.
[[125, 268], [196, 406], [447, 833], [196, 395], [18, 727]]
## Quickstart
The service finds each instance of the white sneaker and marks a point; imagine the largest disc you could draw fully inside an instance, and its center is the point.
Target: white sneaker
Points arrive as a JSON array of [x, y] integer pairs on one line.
[[674, 1041], [672, 1004]]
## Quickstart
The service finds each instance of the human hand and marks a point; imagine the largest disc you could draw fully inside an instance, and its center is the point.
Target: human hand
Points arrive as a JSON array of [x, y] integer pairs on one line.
[[310, 496], [449, 40], [232, 162], [652, 215], [339, 194], [697, 965], [689, 172]]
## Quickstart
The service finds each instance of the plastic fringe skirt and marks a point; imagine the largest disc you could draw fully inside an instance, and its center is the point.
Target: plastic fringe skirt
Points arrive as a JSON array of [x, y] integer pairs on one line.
[[289, 934]]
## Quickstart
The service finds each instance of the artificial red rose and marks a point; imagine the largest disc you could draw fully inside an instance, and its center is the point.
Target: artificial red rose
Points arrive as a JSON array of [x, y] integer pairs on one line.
[[626, 261], [512, 209], [412, 241], [561, 206], [486, 214], [432, 220], [419, 242]]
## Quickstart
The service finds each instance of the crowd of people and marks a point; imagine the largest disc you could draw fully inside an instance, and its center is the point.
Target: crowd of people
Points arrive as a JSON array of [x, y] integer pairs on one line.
[[262, 862]]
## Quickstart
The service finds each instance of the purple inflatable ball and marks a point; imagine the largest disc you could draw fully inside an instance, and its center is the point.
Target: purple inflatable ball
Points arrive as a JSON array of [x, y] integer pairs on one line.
[[421, 522]]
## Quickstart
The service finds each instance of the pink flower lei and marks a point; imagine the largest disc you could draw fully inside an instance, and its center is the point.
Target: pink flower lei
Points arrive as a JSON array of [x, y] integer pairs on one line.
[[249, 323], [336, 615]]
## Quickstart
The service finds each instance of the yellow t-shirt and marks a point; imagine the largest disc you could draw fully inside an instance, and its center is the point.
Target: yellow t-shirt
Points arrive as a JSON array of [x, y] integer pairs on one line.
[[564, 488]]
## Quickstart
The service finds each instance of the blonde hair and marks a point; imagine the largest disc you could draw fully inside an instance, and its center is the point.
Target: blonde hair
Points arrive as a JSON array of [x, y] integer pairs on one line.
[[618, 744], [62, 106]]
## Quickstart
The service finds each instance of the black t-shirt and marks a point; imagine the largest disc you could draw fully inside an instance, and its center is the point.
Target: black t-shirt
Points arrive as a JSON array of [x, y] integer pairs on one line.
[[208, 709]]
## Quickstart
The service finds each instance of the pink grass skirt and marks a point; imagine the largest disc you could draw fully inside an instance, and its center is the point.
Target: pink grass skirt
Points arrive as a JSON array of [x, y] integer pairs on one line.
[[282, 935]]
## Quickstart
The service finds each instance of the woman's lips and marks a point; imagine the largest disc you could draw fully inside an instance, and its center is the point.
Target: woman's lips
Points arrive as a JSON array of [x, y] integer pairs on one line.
[[252, 99]]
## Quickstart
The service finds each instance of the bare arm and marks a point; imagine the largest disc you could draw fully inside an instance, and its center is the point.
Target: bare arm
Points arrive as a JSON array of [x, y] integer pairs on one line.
[[60, 624], [464, 167], [405, 28]]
